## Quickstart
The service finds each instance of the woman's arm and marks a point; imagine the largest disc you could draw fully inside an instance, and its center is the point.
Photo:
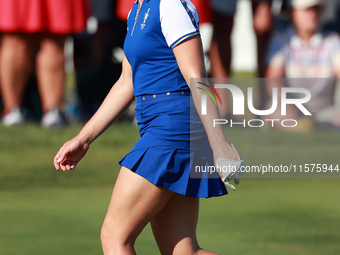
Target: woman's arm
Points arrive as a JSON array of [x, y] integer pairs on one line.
[[189, 55], [115, 103]]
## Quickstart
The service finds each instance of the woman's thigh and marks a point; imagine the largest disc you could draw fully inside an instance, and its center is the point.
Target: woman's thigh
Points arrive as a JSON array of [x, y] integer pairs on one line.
[[174, 227], [134, 202]]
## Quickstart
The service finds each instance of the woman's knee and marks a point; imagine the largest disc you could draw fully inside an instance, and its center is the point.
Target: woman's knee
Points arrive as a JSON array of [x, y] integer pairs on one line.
[[115, 243], [15, 42], [115, 236]]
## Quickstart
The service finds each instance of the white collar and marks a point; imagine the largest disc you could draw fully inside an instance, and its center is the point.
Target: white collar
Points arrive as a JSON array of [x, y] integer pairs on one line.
[[314, 41]]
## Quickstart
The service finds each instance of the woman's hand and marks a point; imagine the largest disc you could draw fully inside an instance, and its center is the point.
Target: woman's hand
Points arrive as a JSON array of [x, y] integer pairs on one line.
[[115, 104], [225, 151], [70, 154], [229, 164]]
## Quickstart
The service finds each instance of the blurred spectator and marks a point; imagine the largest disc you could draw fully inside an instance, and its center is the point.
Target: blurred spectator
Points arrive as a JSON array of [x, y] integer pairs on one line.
[[28, 26], [220, 49], [330, 19], [305, 51], [98, 54]]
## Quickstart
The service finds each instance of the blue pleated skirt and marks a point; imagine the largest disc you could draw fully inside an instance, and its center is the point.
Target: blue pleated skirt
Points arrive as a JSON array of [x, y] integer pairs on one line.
[[164, 154]]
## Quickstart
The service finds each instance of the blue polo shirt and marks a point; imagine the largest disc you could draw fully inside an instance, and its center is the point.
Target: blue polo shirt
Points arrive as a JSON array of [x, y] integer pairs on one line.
[[154, 29]]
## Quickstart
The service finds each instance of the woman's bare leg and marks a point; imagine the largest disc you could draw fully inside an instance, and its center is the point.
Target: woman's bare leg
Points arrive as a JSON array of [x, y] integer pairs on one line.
[[174, 227], [51, 70], [134, 202], [15, 66]]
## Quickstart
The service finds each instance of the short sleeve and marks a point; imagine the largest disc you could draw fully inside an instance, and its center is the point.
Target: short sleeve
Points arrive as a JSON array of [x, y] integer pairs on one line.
[[179, 21], [278, 60]]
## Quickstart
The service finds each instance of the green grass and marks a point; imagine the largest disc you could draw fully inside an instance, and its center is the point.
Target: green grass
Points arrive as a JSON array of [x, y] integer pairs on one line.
[[43, 211], [26, 158]]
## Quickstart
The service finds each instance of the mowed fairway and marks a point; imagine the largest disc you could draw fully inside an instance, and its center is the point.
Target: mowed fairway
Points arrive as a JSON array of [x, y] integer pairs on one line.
[[43, 211]]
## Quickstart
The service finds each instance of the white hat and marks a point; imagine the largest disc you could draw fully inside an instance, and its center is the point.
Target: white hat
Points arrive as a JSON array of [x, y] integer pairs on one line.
[[305, 4]]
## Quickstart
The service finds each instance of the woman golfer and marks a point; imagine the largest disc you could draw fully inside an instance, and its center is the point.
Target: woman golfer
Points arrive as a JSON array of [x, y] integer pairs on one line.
[[163, 51]]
